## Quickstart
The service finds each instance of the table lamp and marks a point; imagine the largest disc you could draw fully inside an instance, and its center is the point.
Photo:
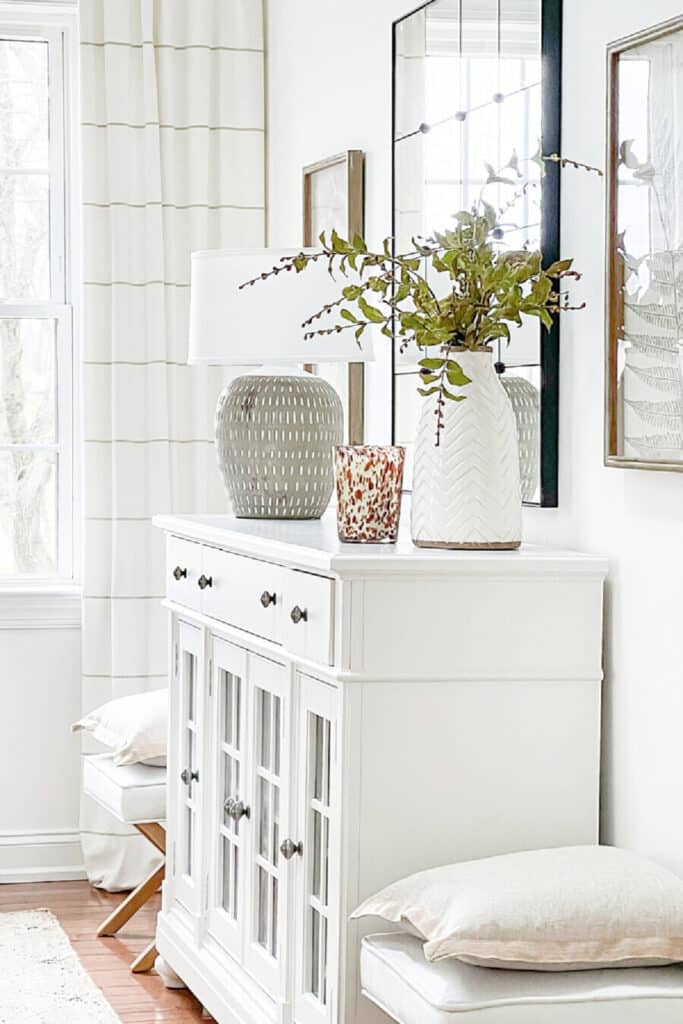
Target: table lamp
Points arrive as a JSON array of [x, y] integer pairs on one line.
[[276, 428]]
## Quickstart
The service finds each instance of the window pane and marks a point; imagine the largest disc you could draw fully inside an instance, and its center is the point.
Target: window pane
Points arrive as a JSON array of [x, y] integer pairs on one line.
[[23, 103], [24, 236], [28, 411], [28, 513]]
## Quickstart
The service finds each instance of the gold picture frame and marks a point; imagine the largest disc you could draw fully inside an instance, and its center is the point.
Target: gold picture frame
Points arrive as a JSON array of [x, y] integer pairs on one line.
[[334, 197], [643, 328]]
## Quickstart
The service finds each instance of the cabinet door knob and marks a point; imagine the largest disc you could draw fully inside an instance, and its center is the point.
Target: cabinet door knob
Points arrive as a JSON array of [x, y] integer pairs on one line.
[[204, 581], [289, 848], [268, 599], [189, 777], [179, 573], [236, 810], [298, 615]]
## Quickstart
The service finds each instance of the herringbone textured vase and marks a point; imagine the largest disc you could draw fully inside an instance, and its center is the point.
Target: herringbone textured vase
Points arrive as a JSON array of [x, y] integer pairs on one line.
[[466, 490]]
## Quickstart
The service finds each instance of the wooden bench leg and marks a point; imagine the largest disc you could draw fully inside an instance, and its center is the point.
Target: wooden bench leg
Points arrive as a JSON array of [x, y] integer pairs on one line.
[[145, 962], [132, 903]]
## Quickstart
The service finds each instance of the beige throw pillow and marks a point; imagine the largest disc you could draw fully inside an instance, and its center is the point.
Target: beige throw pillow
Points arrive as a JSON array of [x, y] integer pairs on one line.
[[134, 728], [568, 909]]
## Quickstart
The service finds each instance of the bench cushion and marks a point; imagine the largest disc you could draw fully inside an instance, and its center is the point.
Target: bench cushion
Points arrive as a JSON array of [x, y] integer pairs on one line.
[[133, 793], [396, 976]]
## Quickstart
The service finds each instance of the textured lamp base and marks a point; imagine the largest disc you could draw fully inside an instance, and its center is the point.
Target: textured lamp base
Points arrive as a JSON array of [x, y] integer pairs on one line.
[[275, 438]]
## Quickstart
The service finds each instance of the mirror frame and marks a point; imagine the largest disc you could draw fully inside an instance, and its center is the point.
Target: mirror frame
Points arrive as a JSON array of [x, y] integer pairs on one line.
[[551, 121], [613, 319]]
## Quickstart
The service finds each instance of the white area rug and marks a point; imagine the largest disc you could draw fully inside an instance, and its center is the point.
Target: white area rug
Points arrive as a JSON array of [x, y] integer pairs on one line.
[[41, 978]]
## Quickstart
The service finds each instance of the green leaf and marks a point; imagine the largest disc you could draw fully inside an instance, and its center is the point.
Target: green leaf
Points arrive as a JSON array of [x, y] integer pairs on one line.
[[373, 314], [541, 289], [359, 332], [351, 292], [454, 398], [559, 267], [431, 364], [546, 318], [426, 392], [455, 374], [429, 378], [346, 314], [359, 243], [410, 321], [339, 245]]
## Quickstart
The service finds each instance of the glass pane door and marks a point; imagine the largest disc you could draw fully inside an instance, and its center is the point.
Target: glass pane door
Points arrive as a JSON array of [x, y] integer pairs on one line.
[[317, 805], [269, 684], [188, 770], [231, 816]]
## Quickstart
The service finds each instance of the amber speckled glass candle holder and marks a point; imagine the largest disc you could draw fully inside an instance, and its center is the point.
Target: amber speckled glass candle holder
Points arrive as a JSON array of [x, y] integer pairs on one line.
[[369, 479]]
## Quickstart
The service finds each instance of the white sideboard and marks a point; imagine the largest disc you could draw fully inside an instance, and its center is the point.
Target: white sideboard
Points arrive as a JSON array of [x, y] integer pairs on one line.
[[344, 715]]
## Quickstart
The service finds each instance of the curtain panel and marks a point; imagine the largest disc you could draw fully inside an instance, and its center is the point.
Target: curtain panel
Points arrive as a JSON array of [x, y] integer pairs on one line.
[[172, 107]]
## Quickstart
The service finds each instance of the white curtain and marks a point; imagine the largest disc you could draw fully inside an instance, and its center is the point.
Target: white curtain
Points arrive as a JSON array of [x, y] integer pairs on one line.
[[172, 104]]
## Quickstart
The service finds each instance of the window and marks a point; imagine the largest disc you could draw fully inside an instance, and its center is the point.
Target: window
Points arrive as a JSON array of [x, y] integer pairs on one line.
[[36, 304]]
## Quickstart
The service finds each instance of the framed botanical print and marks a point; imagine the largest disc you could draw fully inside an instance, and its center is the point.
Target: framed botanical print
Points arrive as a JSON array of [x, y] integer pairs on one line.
[[334, 198], [644, 322]]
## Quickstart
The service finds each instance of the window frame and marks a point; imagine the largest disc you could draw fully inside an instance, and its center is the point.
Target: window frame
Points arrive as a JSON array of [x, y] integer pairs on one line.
[[56, 23]]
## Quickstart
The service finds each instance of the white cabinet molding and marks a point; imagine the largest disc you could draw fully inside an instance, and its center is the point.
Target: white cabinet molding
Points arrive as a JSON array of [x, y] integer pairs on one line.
[[342, 716]]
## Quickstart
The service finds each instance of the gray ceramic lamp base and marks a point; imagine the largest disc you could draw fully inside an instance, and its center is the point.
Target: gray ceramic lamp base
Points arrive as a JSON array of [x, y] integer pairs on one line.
[[275, 438]]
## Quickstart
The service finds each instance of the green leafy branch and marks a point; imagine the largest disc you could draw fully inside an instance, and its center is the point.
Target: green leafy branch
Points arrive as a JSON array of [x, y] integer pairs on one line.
[[482, 290]]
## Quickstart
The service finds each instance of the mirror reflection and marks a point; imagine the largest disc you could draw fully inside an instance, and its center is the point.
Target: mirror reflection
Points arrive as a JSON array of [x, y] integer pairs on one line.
[[645, 407], [468, 123]]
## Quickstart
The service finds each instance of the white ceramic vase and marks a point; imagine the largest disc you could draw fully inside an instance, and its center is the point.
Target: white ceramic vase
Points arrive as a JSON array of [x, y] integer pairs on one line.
[[466, 490]]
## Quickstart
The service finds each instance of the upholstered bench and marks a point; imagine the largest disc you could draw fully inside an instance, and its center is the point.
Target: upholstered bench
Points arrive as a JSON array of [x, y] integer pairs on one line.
[[396, 976], [136, 795]]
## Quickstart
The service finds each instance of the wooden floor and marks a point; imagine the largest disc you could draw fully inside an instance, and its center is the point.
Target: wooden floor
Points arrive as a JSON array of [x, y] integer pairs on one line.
[[136, 998]]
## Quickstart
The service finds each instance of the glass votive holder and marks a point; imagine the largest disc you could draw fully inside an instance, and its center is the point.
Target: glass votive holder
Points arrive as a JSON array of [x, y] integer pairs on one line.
[[369, 480]]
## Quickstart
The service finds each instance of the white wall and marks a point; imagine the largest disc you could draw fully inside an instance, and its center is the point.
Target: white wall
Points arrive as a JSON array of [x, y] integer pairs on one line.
[[633, 516], [40, 697], [330, 90]]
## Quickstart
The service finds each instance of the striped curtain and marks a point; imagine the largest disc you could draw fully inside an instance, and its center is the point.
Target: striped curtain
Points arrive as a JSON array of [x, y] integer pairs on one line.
[[172, 104]]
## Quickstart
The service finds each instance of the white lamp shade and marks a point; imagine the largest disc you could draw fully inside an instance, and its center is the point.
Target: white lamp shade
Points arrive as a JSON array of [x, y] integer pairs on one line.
[[262, 323]]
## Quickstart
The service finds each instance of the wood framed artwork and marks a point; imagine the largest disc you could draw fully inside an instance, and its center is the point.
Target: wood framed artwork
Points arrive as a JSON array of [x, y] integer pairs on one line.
[[644, 297], [334, 198]]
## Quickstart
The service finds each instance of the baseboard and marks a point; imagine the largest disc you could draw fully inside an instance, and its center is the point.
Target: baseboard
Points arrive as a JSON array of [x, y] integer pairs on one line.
[[41, 857]]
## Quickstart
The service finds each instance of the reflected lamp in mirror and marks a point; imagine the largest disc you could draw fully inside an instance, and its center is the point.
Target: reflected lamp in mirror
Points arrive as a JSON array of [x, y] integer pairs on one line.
[[276, 427], [644, 368]]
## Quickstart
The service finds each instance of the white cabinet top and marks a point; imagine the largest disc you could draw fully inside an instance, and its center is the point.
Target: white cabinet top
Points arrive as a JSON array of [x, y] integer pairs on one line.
[[314, 545]]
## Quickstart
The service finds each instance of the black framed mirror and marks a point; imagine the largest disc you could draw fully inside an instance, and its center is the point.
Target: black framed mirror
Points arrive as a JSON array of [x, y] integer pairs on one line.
[[476, 106]]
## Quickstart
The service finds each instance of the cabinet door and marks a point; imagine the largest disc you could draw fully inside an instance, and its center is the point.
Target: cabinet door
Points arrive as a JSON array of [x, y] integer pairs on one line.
[[229, 813], [316, 897], [269, 688], [185, 769]]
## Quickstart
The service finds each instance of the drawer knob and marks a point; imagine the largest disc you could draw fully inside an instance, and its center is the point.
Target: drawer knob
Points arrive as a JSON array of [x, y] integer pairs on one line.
[[179, 574], [298, 615], [289, 848], [204, 581], [268, 599], [189, 777], [236, 810]]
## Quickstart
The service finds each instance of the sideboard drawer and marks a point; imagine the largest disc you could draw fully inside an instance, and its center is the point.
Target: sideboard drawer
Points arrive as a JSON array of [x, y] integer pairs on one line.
[[308, 616], [183, 569], [244, 592]]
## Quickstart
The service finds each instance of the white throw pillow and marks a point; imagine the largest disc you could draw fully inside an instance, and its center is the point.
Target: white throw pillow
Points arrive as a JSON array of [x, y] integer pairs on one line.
[[135, 728], [569, 909]]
